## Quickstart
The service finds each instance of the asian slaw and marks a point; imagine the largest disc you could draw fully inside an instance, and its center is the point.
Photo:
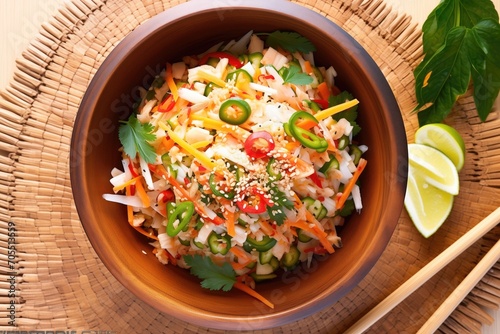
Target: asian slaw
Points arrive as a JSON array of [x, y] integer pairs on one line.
[[244, 156]]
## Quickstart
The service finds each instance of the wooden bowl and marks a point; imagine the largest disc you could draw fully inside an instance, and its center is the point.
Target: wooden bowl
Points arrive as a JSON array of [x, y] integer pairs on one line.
[[191, 28]]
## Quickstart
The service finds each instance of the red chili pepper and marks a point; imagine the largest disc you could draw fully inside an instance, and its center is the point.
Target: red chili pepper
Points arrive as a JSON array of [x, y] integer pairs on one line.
[[165, 196], [316, 179], [316, 250], [254, 201], [267, 77], [232, 60], [167, 105], [322, 103], [132, 169], [259, 144]]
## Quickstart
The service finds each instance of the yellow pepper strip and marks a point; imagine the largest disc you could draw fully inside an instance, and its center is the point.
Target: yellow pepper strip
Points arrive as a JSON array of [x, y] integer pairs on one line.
[[202, 157], [201, 144], [171, 83], [335, 109], [320, 115], [218, 125], [211, 78], [126, 184]]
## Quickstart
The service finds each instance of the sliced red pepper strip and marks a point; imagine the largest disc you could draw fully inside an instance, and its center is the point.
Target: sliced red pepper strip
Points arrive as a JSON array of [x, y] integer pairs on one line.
[[165, 196], [259, 144], [316, 179], [167, 104], [132, 169], [322, 103], [233, 60], [257, 204]]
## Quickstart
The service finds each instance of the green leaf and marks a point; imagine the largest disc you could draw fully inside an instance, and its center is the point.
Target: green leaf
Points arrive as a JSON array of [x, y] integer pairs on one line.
[[484, 57], [214, 277], [290, 41], [293, 75], [453, 13], [444, 77], [467, 53], [281, 201], [135, 137], [350, 114]]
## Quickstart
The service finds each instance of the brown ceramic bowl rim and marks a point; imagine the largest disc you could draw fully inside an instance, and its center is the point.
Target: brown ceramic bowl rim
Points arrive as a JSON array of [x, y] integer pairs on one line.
[[82, 199]]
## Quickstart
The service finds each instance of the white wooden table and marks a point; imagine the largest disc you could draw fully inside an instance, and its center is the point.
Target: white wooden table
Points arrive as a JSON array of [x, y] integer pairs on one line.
[[20, 21]]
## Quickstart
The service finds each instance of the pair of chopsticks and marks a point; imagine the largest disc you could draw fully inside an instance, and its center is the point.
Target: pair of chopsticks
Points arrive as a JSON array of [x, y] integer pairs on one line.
[[429, 270]]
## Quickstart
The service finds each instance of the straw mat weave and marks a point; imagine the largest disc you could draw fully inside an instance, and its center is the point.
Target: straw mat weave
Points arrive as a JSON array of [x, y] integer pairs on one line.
[[60, 282]]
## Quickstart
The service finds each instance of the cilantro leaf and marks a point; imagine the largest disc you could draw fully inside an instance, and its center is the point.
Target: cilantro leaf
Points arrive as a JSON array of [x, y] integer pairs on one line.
[[293, 75], [350, 114], [135, 137], [290, 41], [281, 201], [214, 277]]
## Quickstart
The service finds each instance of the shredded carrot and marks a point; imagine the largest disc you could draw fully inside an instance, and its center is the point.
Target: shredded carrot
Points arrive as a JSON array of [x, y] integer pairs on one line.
[[160, 170], [348, 187], [130, 210], [171, 83], [266, 227], [323, 91], [243, 258], [291, 146], [321, 235], [167, 144], [139, 188], [240, 253], [306, 124], [239, 265], [230, 222], [242, 287], [126, 184], [308, 68]]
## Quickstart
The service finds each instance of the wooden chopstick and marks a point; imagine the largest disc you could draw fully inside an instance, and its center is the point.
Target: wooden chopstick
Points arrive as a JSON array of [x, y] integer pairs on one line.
[[424, 274], [462, 290]]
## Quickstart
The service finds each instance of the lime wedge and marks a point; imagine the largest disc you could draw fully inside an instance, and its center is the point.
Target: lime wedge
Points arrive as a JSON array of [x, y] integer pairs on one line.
[[427, 206], [434, 168], [445, 139]]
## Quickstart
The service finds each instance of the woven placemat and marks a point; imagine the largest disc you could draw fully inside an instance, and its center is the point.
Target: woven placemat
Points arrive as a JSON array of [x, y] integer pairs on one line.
[[51, 277]]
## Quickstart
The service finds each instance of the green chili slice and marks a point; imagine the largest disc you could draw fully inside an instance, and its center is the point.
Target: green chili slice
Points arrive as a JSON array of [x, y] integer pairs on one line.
[[219, 244], [271, 170], [239, 76], [234, 111], [333, 163], [343, 142], [178, 217], [215, 186], [261, 246], [305, 137], [291, 258]]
